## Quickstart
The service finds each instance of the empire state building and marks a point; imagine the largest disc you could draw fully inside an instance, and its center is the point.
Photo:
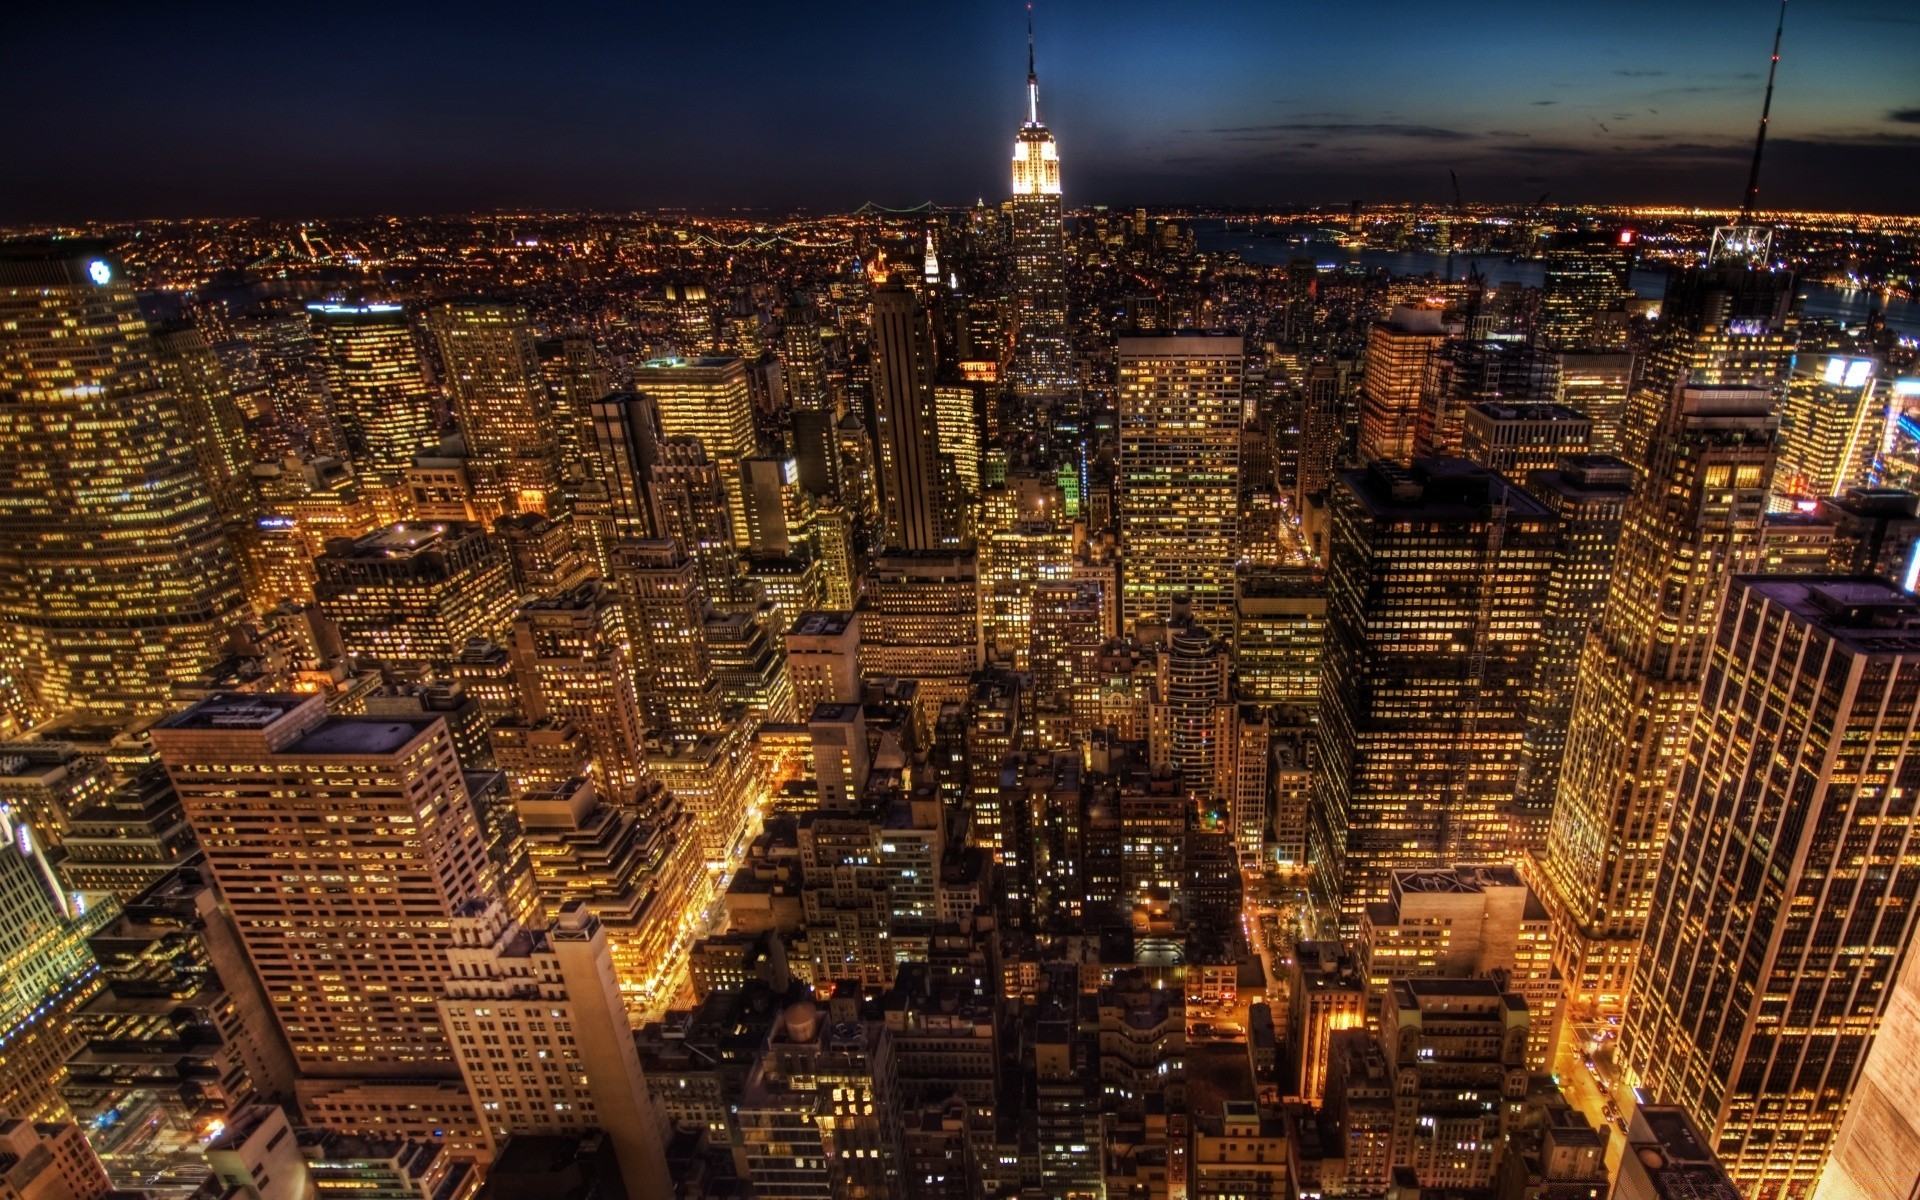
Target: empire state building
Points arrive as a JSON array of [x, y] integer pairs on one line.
[[1042, 362]]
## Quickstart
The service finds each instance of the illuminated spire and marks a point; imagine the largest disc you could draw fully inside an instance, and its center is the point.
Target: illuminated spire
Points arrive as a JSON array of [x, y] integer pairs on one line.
[[1033, 80]]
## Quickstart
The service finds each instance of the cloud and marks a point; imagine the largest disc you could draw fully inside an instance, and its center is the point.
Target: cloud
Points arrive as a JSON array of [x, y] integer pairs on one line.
[[1342, 129], [1639, 74], [1906, 116], [1546, 102]]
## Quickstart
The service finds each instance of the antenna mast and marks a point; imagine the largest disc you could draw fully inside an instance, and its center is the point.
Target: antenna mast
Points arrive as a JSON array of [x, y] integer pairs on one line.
[[1766, 108]]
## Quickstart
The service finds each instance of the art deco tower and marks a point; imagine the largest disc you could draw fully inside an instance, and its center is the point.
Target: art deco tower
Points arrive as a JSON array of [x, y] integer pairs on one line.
[[1702, 430], [116, 587], [1041, 359]]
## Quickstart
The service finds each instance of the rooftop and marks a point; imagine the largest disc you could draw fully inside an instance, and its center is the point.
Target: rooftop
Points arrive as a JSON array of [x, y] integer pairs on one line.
[[359, 735]]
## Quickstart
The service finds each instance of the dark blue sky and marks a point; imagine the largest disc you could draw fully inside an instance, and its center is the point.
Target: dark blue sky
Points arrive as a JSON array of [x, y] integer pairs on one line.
[[339, 108]]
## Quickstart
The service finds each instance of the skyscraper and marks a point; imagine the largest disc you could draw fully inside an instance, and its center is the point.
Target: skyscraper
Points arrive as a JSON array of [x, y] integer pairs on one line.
[[1436, 582], [378, 383], [709, 399], [1783, 906], [1589, 494], [117, 588], [1585, 294], [906, 425], [493, 372], [1703, 426], [1398, 349], [1829, 430], [412, 596], [1041, 354], [572, 659], [1179, 479], [371, 819]]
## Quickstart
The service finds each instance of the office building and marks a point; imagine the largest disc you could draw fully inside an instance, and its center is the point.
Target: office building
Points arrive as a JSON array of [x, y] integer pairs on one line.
[[120, 589], [492, 373], [1588, 493], [823, 660], [553, 993], [1042, 354], [1668, 1155], [1436, 590], [181, 1032], [1875, 532], [1585, 295], [210, 414], [1518, 439], [1694, 518], [286, 799], [573, 661], [1327, 993], [130, 839], [906, 427], [1179, 411], [48, 1161], [920, 619], [1876, 1152], [1398, 350], [665, 614], [708, 399], [46, 973], [636, 866], [626, 439], [411, 596], [1467, 922], [1595, 385], [1830, 428], [378, 385], [1280, 616], [818, 1116], [1774, 937]]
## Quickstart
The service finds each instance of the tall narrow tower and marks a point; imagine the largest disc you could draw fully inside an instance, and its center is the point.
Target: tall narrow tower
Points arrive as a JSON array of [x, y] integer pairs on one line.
[[1041, 359]]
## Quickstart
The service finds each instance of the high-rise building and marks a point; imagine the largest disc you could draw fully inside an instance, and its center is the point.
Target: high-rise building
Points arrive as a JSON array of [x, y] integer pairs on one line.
[[1396, 370], [1280, 615], [691, 503], [46, 972], [573, 660], [1780, 917], [665, 610], [823, 660], [345, 848], [626, 438], [1462, 922], [1704, 420], [636, 867], [709, 399], [412, 596], [920, 619], [500, 399], [1179, 480], [555, 993], [1516, 439], [119, 589], [215, 427], [1876, 1151], [1042, 354], [1828, 428], [1596, 385], [378, 383], [1327, 993], [818, 1116], [1589, 494], [1583, 306], [182, 1031], [1436, 590], [48, 1161], [906, 426], [1876, 531], [133, 837]]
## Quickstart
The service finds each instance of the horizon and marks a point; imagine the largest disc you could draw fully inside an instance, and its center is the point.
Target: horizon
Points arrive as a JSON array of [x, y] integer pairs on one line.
[[1237, 105]]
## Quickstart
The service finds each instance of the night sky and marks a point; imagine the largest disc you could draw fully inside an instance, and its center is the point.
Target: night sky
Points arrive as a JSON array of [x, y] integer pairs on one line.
[[111, 110]]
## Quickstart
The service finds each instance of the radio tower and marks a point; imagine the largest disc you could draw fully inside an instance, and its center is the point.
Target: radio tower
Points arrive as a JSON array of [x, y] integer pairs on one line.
[[1766, 107]]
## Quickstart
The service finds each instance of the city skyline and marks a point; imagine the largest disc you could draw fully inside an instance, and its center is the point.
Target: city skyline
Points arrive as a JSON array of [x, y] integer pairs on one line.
[[1011, 700], [1231, 104]]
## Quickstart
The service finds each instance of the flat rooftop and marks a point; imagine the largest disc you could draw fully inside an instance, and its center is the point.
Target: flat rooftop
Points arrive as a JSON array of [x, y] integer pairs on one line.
[[359, 735], [1865, 614], [821, 624], [234, 711]]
